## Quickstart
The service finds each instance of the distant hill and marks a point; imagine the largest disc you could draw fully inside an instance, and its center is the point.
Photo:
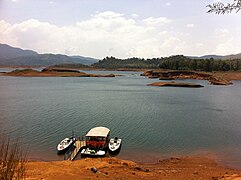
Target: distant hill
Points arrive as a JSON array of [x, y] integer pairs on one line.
[[207, 57], [86, 60], [11, 56], [227, 57], [8, 52], [233, 56]]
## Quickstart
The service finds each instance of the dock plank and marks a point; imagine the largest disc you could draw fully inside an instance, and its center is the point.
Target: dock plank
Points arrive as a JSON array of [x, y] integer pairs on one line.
[[78, 145]]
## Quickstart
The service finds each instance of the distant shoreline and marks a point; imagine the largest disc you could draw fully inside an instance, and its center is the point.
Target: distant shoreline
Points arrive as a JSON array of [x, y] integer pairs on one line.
[[215, 78]]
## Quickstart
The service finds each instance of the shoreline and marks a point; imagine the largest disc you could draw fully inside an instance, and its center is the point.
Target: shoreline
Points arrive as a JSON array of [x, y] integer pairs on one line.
[[185, 167], [216, 77], [142, 157]]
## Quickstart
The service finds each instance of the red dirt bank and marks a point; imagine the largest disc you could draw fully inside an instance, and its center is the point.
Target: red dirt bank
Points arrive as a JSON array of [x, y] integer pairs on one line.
[[112, 168]]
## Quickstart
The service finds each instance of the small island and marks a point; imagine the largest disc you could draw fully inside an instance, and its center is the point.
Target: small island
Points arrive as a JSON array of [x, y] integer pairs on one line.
[[176, 84], [53, 72]]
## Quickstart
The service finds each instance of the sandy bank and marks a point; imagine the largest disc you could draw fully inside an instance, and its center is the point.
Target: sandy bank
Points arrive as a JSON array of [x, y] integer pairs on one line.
[[173, 168]]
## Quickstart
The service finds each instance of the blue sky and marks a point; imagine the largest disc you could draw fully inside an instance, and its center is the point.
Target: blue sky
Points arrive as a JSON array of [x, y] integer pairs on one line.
[[121, 28]]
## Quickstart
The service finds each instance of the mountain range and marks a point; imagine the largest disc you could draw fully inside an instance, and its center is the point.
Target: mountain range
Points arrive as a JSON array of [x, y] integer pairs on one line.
[[12, 56], [227, 57]]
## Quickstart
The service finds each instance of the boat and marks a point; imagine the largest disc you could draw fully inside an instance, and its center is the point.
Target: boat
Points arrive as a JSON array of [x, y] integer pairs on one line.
[[114, 144], [96, 142], [65, 144], [92, 152]]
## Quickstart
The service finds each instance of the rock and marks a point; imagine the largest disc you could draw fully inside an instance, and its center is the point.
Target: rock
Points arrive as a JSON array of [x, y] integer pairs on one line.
[[109, 75], [219, 81], [125, 164], [147, 170], [94, 169], [153, 77], [147, 73], [138, 168]]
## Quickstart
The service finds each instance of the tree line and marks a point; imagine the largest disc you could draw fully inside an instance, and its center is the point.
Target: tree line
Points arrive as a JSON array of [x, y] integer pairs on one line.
[[177, 62]]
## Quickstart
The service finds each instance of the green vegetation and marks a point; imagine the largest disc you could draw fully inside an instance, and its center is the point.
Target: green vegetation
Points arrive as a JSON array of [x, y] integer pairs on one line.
[[12, 160], [73, 66], [23, 70], [178, 62]]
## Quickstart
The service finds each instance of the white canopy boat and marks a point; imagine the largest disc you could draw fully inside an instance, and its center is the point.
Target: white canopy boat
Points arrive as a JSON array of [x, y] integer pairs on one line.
[[65, 144], [114, 144], [96, 141]]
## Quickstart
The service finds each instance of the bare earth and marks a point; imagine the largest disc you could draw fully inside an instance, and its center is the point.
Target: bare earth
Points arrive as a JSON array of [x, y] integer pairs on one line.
[[229, 75], [112, 168]]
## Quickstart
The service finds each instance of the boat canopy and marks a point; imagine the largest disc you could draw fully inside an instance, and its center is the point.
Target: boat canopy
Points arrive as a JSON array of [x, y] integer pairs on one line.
[[98, 132]]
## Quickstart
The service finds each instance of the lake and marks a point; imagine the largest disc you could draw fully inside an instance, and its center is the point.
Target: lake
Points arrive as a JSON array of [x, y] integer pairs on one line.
[[154, 122]]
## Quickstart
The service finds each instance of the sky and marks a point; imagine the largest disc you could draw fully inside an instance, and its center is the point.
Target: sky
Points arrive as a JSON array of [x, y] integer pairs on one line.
[[120, 28]]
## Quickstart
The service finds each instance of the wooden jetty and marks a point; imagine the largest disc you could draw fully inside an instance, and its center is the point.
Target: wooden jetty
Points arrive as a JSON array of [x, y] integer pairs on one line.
[[72, 153]]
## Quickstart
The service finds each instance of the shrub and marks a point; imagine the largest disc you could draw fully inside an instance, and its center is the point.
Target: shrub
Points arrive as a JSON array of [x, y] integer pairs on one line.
[[12, 160]]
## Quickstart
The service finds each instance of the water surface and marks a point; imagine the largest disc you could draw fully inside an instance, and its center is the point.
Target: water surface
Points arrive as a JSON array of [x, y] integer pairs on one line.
[[154, 122]]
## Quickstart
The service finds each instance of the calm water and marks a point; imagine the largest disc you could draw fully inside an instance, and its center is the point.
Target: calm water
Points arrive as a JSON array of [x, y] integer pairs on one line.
[[154, 122]]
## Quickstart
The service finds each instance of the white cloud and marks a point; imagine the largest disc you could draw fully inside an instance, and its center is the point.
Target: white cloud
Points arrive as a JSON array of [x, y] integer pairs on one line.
[[109, 33], [107, 15], [222, 33], [190, 25], [227, 41], [134, 15], [156, 21], [168, 4]]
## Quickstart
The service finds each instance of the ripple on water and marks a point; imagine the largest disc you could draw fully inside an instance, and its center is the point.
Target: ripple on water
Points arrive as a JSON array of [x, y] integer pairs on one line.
[[163, 121]]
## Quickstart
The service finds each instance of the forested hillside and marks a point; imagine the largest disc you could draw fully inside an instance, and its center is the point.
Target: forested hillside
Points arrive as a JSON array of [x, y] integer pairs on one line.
[[178, 62]]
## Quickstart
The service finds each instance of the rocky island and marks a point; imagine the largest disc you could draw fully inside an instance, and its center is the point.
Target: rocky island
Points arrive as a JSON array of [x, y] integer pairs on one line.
[[53, 72], [214, 79], [176, 84]]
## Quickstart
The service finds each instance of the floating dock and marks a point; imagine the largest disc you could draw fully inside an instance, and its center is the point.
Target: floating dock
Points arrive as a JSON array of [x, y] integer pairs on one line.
[[72, 153]]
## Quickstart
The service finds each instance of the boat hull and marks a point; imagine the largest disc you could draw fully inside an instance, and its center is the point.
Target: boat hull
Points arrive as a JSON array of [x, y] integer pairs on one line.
[[114, 145], [65, 144], [92, 153]]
